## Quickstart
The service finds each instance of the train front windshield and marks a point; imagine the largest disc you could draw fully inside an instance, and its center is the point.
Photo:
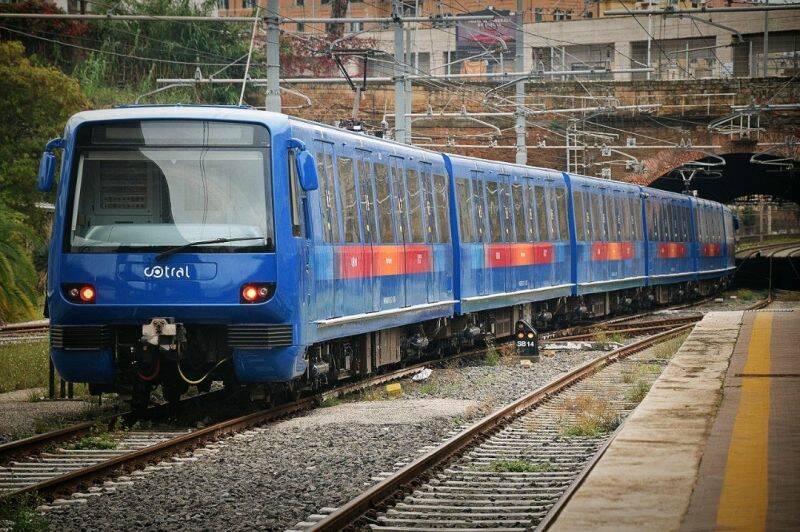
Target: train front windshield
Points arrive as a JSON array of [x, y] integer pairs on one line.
[[155, 185]]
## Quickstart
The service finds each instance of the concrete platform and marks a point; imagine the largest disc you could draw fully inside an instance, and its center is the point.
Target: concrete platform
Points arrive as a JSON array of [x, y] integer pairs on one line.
[[715, 445]]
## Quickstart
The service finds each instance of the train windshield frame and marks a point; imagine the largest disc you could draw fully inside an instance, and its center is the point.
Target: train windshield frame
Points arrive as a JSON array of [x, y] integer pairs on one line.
[[152, 185]]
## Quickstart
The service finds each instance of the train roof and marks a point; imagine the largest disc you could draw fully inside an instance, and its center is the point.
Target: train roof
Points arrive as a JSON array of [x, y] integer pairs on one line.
[[251, 114]]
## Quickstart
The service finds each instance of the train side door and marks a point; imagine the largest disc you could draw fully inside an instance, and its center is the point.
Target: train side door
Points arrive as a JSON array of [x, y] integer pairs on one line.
[[429, 226], [366, 198], [302, 230], [507, 237], [482, 275], [398, 256], [326, 240]]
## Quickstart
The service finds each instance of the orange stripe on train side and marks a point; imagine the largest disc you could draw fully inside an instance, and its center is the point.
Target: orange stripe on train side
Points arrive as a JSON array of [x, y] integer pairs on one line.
[[544, 253], [497, 255], [353, 262], [523, 254], [614, 251], [599, 251], [418, 258], [388, 260]]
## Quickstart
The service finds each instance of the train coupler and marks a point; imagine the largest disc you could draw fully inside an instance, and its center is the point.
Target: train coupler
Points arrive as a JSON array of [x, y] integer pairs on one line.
[[163, 333]]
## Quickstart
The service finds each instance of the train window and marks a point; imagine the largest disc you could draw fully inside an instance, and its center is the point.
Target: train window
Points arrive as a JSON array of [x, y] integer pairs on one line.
[[347, 189], [652, 220], [493, 211], [552, 213], [624, 210], [327, 194], [464, 208], [596, 217], [366, 198], [478, 195], [294, 191], [442, 207], [505, 208], [701, 232], [613, 217], [637, 218], [587, 215], [541, 213], [608, 218], [430, 217], [561, 205], [384, 203], [674, 222], [685, 220], [415, 214], [531, 213], [580, 219], [518, 202], [399, 195]]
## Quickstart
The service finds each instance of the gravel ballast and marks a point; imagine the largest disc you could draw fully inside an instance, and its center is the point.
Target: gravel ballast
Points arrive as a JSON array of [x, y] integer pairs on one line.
[[274, 477]]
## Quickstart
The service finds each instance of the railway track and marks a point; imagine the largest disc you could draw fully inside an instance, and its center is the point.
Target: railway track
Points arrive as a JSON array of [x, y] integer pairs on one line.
[[513, 469], [41, 465], [16, 333], [49, 465], [770, 251]]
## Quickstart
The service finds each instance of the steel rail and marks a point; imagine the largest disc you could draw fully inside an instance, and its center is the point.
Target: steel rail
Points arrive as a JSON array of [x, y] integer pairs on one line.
[[196, 438], [33, 444], [629, 331], [351, 512], [562, 501], [184, 442]]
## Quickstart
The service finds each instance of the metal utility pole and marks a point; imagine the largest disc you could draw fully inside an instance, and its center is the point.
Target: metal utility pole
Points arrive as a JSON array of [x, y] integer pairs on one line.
[[519, 65], [409, 67], [272, 20], [399, 74], [766, 41]]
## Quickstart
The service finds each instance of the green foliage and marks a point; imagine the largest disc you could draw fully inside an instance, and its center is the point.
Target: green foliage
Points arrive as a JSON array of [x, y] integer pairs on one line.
[[637, 392], [594, 416], [21, 512], [119, 70], [23, 366], [18, 277], [330, 402], [519, 466], [36, 103], [98, 438]]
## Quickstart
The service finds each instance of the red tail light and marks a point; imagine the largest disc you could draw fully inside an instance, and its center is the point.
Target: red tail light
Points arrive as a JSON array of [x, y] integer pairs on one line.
[[80, 293], [256, 292]]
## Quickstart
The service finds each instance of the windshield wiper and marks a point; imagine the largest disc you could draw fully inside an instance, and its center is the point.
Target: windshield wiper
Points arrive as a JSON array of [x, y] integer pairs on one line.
[[172, 251]]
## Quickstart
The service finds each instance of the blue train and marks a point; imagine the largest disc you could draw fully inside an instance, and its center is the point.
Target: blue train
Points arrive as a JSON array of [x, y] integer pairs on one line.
[[200, 243]]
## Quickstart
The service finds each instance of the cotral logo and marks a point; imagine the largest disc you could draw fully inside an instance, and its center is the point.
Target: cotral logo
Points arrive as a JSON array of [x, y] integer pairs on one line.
[[167, 272]]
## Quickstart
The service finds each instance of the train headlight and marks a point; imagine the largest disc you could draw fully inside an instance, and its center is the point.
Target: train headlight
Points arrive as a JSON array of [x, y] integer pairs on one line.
[[80, 293], [256, 292]]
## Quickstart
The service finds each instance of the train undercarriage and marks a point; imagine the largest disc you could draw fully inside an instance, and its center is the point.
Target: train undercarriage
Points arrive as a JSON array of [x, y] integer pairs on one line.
[[177, 357]]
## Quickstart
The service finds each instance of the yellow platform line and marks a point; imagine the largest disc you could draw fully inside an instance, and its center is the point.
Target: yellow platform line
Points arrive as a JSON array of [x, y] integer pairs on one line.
[[745, 491]]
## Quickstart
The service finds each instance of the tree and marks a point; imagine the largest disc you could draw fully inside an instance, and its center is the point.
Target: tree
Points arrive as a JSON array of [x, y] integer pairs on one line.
[[18, 277], [36, 104], [37, 101]]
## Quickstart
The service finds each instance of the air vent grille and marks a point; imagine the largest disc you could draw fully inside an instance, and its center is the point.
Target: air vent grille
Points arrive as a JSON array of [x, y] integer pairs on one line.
[[80, 336], [259, 336]]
